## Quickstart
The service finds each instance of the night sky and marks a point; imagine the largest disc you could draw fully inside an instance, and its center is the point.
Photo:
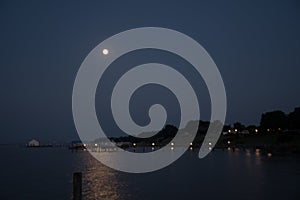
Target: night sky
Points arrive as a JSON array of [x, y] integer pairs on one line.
[[255, 45]]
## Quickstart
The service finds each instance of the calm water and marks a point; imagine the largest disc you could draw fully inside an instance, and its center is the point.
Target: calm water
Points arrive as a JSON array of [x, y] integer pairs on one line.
[[46, 173]]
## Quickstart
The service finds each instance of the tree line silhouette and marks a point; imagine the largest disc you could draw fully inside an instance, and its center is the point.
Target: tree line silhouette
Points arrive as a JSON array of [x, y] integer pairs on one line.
[[278, 120], [271, 122]]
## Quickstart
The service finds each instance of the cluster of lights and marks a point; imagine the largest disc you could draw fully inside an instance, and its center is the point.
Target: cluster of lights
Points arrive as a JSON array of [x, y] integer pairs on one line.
[[172, 145], [191, 146], [255, 130], [210, 148], [257, 152]]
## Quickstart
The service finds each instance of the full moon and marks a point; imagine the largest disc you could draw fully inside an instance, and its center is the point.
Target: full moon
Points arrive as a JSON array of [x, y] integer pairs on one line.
[[105, 51]]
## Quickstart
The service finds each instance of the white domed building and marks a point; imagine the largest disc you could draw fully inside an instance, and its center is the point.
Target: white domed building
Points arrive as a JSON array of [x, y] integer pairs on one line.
[[33, 143]]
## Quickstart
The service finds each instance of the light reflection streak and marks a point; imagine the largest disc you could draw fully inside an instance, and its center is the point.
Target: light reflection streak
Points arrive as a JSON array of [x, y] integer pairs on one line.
[[101, 182]]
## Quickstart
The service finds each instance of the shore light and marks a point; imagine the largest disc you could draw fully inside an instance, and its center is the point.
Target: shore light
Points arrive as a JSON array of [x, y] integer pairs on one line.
[[269, 154], [105, 51]]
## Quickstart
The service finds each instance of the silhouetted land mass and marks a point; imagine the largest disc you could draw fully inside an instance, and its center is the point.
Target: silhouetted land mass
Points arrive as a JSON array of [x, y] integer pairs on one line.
[[164, 136], [277, 131], [279, 120]]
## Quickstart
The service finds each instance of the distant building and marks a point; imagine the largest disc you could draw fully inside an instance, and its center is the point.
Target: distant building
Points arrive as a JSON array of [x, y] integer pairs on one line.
[[33, 143]]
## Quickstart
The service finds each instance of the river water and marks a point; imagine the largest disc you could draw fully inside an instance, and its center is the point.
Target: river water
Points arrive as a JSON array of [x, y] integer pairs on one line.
[[46, 173]]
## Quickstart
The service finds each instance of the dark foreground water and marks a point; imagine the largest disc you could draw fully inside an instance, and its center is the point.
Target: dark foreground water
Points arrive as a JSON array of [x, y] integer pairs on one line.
[[46, 173]]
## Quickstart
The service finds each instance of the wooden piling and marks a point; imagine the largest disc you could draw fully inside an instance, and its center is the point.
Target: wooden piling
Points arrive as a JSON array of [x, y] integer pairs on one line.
[[77, 186]]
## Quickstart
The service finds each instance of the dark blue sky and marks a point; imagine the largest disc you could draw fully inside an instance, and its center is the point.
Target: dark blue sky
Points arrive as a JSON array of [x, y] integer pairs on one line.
[[255, 44]]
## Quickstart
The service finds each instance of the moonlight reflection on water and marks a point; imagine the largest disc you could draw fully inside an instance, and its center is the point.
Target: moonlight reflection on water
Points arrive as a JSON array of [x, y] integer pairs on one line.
[[46, 173], [101, 182]]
